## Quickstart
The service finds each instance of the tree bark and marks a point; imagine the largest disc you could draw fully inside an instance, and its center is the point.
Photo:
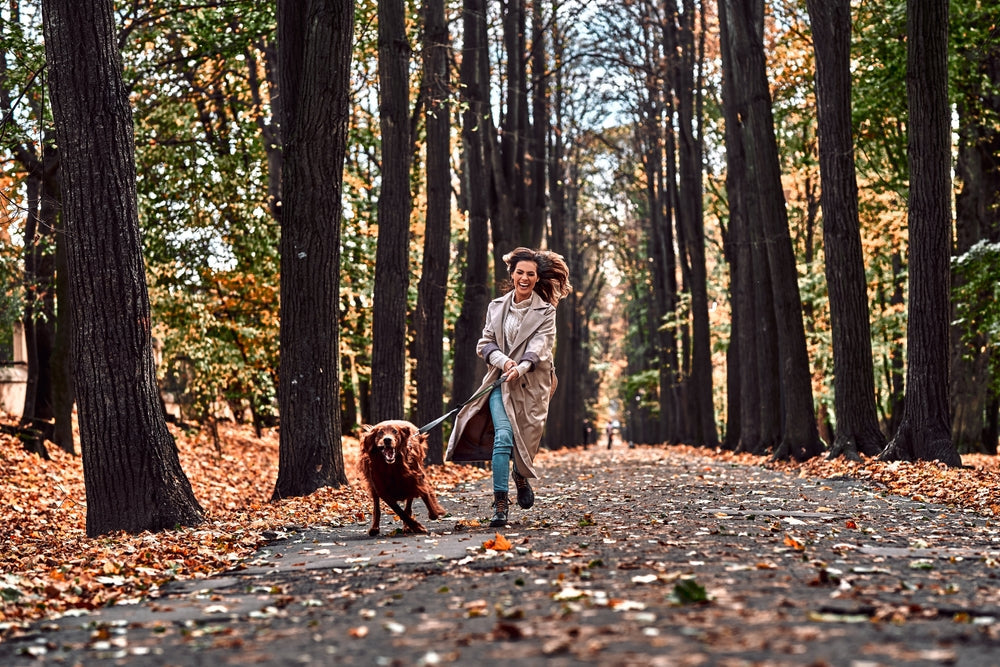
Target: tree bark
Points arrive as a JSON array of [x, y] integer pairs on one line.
[[690, 214], [799, 438], [314, 56], [925, 432], [392, 256], [476, 128], [853, 370], [132, 474], [433, 285]]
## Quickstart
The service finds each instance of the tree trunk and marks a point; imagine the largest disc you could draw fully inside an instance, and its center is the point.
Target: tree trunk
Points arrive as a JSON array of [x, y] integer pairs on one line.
[[853, 369], [755, 395], [925, 433], [536, 162], [63, 392], [690, 215], [433, 286], [392, 257], [799, 438], [314, 56], [132, 474], [468, 367]]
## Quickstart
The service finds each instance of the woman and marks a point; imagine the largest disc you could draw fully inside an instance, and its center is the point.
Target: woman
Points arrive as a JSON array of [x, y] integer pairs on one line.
[[517, 342]]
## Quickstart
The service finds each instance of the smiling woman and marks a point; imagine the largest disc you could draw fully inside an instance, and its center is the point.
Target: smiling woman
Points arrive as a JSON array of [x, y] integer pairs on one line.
[[517, 343]]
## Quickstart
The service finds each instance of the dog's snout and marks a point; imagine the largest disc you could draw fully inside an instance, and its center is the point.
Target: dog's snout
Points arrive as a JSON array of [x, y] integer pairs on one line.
[[387, 440]]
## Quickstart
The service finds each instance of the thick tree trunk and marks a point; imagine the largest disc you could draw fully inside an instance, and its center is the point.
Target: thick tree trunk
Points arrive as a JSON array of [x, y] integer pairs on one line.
[[314, 43], [925, 433], [132, 473], [853, 370], [392, 257], [433, 285], [799, 437]]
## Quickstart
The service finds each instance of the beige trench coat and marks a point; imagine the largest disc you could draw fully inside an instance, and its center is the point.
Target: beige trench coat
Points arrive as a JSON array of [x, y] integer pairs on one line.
[[526, 398]]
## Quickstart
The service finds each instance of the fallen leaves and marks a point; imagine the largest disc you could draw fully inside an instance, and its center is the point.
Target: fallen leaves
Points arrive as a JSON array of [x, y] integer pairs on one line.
[[498, 543], [794, 543], [48, 566]]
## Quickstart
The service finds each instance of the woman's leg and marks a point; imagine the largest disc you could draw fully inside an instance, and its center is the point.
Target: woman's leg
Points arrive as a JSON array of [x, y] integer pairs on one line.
[[503, 442]]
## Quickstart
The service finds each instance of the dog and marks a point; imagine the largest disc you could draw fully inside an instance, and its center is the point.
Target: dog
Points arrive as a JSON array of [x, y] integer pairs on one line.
[[392, 462]]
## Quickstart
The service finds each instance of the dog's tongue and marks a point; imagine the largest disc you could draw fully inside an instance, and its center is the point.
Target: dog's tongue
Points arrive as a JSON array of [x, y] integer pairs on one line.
[[390, 455]]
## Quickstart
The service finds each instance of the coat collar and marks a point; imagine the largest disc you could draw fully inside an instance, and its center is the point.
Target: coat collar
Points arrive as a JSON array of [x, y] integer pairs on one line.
[[532, 319]]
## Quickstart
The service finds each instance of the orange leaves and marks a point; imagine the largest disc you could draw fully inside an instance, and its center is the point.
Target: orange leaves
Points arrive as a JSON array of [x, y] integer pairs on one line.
[[498, 543], [794, 543], [48, 565]]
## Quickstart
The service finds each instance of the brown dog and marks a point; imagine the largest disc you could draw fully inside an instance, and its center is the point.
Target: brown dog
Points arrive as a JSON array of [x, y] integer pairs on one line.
[[392, 462]]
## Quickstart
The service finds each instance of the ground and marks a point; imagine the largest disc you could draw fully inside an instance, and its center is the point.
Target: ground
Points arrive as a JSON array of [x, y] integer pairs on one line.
[[646, 555]]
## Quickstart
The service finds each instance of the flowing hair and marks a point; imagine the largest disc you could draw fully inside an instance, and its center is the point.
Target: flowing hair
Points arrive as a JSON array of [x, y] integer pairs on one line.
[[553, 274]]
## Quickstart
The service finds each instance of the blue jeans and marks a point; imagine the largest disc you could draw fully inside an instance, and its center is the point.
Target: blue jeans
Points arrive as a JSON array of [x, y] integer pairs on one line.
[[503, 441]]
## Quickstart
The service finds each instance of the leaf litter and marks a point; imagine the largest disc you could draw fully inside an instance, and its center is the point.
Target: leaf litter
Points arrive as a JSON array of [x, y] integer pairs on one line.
[[48, 567]]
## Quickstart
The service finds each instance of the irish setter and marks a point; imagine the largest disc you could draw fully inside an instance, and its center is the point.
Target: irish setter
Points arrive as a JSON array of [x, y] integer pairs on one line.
[[392, 462]]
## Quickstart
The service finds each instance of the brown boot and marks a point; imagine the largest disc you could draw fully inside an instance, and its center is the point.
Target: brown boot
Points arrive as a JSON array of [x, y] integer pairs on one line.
[[525, 496], [501, 505]]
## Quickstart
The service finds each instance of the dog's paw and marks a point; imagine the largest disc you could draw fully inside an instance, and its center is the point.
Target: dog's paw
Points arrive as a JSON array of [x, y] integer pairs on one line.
[[373, 531]]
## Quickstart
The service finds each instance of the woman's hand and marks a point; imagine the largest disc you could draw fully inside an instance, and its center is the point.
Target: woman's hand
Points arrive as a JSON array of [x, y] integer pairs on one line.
[[510, 371]]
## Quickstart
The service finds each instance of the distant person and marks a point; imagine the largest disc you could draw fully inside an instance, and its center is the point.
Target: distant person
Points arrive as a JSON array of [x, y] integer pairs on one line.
[[517, 342], [611, 432]]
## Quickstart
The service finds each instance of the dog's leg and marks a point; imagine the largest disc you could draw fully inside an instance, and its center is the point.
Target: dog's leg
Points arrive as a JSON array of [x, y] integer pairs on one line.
[[376, 515], [407, 518], [434, 509]]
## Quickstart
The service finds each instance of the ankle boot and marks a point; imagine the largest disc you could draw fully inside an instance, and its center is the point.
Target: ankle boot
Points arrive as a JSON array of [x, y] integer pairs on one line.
[[501, 505], [525, 496]]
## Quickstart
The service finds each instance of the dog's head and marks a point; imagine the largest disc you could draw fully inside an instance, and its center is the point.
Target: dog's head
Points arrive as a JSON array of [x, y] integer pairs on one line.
[[389, 439]]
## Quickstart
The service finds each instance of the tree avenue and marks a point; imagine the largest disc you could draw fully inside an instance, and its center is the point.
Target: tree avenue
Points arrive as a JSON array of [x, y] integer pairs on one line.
[[295, 215]]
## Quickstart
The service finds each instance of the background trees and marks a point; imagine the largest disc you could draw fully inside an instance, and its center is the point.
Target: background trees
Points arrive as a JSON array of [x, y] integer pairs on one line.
[[667, 149]]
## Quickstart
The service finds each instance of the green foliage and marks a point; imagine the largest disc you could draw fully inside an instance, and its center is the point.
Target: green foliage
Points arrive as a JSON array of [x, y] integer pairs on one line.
[[202, 112], [976, 292], [642, 390], [879, 92]]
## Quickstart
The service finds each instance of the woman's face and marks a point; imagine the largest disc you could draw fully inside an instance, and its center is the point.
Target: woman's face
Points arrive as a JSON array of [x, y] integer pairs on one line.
[[525, 275]]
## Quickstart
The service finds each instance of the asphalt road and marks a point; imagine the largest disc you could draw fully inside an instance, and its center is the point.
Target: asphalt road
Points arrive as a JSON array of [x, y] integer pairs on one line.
[[630, 557]]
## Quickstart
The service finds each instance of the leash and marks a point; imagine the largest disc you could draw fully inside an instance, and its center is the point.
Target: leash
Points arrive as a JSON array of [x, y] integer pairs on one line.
[[489, 388]]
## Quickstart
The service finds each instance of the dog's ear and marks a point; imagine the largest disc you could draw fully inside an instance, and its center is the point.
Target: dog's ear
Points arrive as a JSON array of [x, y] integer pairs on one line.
[[367, 436]]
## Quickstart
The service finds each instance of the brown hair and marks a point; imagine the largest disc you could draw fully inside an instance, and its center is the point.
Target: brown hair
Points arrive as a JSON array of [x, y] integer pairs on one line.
[[553, 274]]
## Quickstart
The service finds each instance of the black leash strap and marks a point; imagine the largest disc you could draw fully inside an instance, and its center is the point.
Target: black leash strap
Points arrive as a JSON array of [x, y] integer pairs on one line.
[[487, 389]]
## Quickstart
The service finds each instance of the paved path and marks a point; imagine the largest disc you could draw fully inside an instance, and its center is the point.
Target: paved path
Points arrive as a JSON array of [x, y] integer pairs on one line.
[[630, 557]]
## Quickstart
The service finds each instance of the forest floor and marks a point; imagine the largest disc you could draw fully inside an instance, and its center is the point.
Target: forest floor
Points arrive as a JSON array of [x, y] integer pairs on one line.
[[631, 556]]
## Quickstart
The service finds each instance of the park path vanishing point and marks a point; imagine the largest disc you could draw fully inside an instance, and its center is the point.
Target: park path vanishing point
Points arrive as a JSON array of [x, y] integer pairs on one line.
[[644, 556]]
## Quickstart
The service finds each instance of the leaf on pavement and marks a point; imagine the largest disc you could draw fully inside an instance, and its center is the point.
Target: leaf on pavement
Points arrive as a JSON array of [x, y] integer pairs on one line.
[[498, 543], [794, 543]]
